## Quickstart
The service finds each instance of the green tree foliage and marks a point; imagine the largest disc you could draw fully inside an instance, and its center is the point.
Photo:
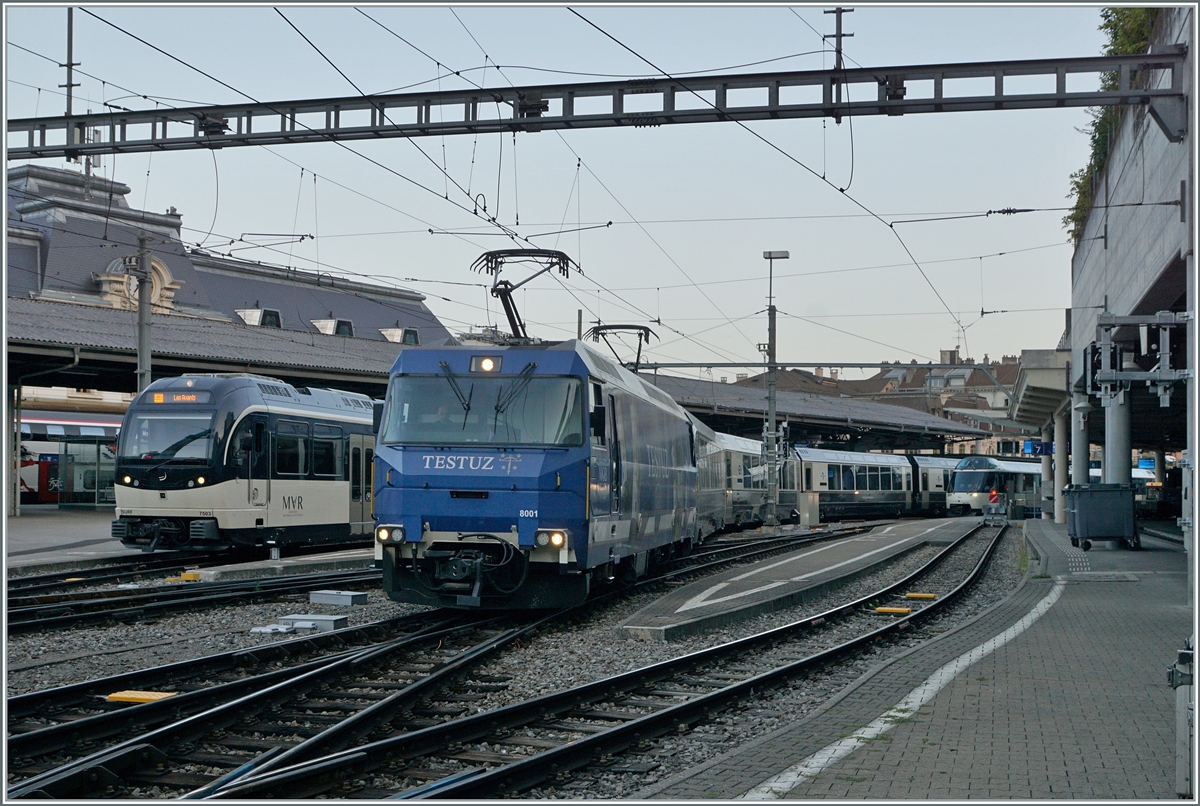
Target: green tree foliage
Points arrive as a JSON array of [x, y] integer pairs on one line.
[[1128, 32]]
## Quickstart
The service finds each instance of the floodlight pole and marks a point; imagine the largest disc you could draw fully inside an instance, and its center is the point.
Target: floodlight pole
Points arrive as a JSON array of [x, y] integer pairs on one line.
[[145, 286], [770, 517]]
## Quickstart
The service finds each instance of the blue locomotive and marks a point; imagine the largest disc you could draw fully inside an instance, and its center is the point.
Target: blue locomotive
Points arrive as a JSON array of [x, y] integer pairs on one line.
[[520, 476]]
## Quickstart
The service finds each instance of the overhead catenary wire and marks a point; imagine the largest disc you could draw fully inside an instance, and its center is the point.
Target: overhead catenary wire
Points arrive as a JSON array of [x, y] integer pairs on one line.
[[579, 161], [791, 158], [159, 101], [330, 138]]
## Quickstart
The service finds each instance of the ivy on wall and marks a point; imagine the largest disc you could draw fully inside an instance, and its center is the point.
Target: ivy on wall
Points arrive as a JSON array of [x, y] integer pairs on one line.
[[1128, 32]]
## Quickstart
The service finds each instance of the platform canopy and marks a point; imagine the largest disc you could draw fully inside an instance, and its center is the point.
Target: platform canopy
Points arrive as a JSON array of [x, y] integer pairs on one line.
[[818, 420]]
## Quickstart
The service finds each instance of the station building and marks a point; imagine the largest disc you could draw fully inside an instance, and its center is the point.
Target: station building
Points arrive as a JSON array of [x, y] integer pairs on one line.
[[71, 317], [1134, 257]]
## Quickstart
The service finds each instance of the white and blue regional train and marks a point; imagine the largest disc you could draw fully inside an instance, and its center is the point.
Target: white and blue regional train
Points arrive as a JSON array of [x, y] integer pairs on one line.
[[1013, 481], [211, 462]]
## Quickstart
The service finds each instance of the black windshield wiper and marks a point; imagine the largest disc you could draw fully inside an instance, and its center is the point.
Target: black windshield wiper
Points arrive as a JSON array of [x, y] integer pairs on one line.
[[517, 388], [174, 448], [463, 399]]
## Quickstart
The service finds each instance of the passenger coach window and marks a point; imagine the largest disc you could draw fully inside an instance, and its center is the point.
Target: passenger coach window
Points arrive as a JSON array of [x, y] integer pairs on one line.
[[327, 450], [835, 477], [872, 478], [291, 449], [860, 477], [808, 478], [355, 475]]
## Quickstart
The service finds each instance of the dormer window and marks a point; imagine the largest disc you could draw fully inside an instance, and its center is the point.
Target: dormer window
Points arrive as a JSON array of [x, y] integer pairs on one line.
[[401, 335], [334, 327], [261, 317]]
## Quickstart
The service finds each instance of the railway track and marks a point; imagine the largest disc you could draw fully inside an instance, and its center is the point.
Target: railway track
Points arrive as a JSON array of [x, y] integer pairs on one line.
[[311, 708], [59, 611], [121, 569], [81, 721], [509, 750], [78, 717]]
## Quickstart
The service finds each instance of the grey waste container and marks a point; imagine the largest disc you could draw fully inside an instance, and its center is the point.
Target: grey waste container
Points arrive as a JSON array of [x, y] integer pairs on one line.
[[1101, 512]]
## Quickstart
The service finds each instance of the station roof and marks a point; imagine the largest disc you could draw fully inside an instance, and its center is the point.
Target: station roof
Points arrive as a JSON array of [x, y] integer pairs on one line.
[[43, 335], [835, 414]]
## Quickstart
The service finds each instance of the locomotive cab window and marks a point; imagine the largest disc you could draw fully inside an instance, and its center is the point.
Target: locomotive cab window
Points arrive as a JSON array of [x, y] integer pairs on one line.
[[291, 449]]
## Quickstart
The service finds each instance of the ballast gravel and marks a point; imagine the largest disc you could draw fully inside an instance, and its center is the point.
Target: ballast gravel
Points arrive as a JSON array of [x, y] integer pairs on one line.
[[582, 649], [44, 660]]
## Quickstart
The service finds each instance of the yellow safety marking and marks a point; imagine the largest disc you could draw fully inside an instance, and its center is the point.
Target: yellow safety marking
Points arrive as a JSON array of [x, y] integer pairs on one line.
[[190, 576], [902, 611], [139, 696], [174, 579], [920, 596], [73, 579]]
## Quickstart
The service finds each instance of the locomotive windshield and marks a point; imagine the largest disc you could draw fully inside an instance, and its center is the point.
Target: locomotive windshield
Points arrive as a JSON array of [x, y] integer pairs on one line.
[[484, 409], [167, 437], [974, 481]]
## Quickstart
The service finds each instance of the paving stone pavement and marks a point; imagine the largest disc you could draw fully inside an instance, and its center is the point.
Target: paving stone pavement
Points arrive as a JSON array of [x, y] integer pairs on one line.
[[1077, 706]]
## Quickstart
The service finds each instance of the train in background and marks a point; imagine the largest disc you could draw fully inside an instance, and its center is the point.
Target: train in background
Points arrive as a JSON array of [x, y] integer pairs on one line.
[[212, 462], [1014, 482]]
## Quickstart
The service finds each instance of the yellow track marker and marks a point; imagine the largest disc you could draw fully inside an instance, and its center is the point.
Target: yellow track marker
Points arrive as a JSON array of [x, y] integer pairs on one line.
[[190, 576], [900, 611], [73, 579], [920, 596], [174, 579], [139, 696]]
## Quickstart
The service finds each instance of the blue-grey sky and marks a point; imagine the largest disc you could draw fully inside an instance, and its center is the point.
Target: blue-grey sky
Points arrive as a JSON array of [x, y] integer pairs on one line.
[[693, 206]]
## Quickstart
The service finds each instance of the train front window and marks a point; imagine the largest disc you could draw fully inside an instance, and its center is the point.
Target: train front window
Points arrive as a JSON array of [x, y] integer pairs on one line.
[[476, 409], [176, 437], [967, 481]]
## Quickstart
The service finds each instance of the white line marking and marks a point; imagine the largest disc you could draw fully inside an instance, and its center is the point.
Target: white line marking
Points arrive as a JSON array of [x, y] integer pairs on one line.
[[783, 783], [702, 599]]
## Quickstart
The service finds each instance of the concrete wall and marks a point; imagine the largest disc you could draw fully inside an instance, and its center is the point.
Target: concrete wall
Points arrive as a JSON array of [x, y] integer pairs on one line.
[[1143, 166]]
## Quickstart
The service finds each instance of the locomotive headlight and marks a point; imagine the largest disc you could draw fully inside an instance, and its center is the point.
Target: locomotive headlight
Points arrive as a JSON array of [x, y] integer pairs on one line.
[[191, 483], [555, 538], [388, 535], [485, 363], [200, 480], [127, 479]]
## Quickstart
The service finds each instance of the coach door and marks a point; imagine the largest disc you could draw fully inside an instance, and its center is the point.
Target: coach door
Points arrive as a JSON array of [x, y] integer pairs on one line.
[[260, 462], [362, 455], [600, 470]]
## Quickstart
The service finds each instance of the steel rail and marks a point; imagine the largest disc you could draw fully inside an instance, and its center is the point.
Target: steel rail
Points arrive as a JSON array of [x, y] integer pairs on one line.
[[32, 619], [109, 767], [320, 775], [23, 585], [47, 701], [533, 770], [87, 730]]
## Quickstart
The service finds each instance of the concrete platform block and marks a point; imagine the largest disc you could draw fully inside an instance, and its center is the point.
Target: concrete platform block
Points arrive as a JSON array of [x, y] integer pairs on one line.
[[274, 629], [320, 622], [338, 597], [349, 560]]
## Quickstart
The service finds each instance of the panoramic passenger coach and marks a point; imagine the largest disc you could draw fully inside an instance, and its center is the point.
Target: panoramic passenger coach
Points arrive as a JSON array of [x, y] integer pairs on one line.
[[209, 462]]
